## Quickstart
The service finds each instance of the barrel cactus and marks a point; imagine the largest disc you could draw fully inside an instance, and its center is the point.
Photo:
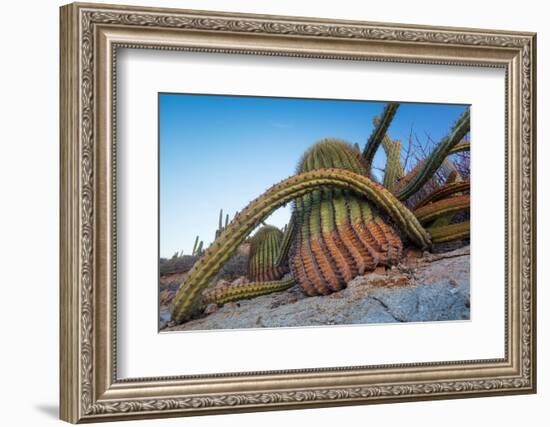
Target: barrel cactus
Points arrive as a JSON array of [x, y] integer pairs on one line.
[[340, 234], [263, 258]]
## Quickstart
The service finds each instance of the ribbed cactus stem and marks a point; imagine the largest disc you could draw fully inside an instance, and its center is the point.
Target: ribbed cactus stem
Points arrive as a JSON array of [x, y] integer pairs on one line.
[[436, 158], [296, 186], [247, 290], [286, 243], [448, 206], [264, 251], [460, 147], [447, 233], [443, 192], [378, 134], [195, 245], [394, 168]]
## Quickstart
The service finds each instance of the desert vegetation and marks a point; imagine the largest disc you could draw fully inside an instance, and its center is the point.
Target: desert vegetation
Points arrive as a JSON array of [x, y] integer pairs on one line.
[[346, 220]]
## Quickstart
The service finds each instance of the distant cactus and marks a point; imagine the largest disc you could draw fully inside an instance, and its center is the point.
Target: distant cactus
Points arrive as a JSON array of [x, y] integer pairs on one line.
[[197, 247], [341, 234]]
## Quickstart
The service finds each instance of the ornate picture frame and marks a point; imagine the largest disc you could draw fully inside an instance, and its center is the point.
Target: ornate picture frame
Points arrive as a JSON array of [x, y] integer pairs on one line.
[[90, 37]]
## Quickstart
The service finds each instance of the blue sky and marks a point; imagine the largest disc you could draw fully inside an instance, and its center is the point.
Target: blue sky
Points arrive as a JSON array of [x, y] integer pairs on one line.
[[220, 152]]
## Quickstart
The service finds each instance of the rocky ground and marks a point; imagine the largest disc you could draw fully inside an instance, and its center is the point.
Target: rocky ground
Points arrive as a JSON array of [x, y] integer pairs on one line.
[[428, 287]]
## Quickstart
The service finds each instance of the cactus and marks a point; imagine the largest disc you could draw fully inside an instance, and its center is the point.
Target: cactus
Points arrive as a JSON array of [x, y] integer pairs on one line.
[[263, 257], [425, 170], [446, 233], [341, 235], [443, 192], [186, 299], [221, 225], [221, 296], [195, 245], [462, 146], [343, 223], [447, 206], [378, 134]]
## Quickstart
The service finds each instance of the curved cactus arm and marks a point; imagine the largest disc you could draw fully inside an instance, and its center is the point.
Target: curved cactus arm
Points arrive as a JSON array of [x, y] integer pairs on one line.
[[443, 192], [446, 233], [436, 158], [296, 186], [462, 146], [448, 206], [286, 243], [247, 290], [378, 134]]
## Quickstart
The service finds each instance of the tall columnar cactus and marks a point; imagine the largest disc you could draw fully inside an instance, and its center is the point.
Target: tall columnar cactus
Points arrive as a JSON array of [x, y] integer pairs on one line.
[[378, 134], [263, 258], [341, 235], [187, 299]]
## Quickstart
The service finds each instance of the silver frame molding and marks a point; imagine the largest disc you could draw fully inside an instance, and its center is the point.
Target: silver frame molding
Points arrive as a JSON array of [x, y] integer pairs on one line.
[[90, 37]]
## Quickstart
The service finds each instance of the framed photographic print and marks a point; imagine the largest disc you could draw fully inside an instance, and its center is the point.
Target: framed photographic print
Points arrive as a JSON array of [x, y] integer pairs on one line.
[[266, 212]]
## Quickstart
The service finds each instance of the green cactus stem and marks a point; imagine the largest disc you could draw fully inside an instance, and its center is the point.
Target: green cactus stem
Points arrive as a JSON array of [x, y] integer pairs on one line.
[[238, 292], [460, 147], [286, 243], [443, 192], [394, 168], [447, 233], [378, 134], [185, 301], [436, 158], [448, 206], [264, 251], [195, 246]]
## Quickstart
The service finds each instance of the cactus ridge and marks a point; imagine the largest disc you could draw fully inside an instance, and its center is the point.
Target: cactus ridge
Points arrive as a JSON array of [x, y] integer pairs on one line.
[[335, 245], [447, 233], [394, 168], [291, 188], [435, 210], [286, 242], [443, 192], [262, 260], [238, 292], [436, 158]]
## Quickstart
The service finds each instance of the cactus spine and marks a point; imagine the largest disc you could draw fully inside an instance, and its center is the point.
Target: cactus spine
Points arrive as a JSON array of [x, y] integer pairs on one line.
[[296, 186]]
